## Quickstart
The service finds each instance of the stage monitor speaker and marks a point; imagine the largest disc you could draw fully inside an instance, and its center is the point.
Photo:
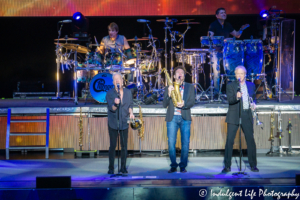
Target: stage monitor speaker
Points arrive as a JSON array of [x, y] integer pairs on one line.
[[298, 179], [53, 181]]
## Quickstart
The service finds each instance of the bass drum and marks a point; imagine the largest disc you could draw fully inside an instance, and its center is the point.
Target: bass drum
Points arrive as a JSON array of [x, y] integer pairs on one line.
[[233, 56], [99, 86]]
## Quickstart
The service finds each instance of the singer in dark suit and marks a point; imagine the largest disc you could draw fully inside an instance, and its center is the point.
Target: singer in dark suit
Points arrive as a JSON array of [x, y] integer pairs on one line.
[[239, 92], [179, 117], [119, 100]]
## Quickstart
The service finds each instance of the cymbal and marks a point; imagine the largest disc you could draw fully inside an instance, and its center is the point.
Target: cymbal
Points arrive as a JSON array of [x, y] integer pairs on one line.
[[164, 20], [187, 20], [66, 39], [187, 23], [155, 38], [76, 47], [137, 39]]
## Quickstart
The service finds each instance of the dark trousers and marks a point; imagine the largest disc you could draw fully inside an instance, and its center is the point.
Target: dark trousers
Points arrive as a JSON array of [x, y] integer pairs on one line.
[[113, 135], [247, 128]]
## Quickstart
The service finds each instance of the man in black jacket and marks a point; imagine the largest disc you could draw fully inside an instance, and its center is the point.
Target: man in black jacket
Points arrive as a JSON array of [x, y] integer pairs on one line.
[[236, 96], [119, 109], [179, 117]]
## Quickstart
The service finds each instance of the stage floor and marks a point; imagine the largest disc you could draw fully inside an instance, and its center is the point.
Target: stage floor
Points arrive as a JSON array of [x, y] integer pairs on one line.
[[149, 171]]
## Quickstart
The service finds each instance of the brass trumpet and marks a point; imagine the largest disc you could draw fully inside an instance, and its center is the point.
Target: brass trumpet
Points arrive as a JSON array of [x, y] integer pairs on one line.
[[254, 114]]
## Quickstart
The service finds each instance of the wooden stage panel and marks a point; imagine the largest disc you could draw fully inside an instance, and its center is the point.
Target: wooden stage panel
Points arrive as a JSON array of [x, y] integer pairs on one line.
[[207, 132]]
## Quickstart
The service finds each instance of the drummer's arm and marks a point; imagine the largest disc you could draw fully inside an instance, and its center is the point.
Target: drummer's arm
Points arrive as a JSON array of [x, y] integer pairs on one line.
[[236, 34], [210, 33], [126, 45], [101, 48]]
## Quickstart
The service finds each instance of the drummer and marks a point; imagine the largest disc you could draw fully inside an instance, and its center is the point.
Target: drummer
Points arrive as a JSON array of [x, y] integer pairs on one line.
[[115, 43], [221, 28]]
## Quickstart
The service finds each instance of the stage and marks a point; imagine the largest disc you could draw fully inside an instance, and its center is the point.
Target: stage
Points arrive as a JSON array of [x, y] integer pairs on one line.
[[146, 174]]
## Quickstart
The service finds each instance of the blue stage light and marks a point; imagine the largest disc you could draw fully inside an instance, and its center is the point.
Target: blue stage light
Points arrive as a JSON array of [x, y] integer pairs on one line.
[[77, 16], [264, 13]]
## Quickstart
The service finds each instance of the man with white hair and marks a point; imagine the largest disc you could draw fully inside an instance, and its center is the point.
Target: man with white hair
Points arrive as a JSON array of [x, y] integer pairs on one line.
[[119, 109], [239, 92]]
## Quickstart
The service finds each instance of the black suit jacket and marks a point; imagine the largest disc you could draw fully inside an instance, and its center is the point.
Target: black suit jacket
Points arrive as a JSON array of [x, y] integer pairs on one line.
[[189, 101], [234, 104]]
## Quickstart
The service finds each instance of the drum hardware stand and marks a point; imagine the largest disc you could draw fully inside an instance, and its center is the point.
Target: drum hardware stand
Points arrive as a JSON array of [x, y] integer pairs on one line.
[[211, 74], [139, 77], [58, 55], [220, 99], [195, 80], [182, 45]]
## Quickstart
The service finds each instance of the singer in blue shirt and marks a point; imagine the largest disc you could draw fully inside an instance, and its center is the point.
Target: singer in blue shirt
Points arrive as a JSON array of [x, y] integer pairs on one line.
[[119, 109]]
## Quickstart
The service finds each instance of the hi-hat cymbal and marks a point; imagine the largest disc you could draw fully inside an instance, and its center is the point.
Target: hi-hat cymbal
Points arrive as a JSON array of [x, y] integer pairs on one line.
[[187, 23], [165, 20], [154, 38], [76, 47], [187, 20], [66, 39], [145, 51], [137, 39]]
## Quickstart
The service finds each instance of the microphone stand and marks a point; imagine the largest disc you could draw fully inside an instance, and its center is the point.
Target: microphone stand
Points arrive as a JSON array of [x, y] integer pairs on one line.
[[240, 134]]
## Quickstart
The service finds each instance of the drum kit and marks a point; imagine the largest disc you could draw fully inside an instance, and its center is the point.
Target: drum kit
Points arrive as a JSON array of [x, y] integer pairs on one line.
[[96, 69], [248, 53]]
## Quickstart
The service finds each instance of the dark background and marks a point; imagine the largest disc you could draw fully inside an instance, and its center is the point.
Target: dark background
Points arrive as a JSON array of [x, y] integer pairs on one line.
[[28, 50]]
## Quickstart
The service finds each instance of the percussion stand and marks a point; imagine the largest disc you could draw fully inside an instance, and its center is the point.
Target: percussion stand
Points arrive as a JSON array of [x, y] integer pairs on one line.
[[154, 51], [195, 77], [211, 87], [172, 34], [220, 91], [139, 78]]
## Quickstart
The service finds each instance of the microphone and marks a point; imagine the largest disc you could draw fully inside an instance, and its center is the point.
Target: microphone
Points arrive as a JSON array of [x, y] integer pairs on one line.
[[142, 20], [65, 21], [118, 85], [238, 82]]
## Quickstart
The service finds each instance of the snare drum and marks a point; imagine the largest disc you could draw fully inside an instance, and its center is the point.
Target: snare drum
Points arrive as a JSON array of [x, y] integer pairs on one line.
[[253, 56], [191, 58], [99, 86], [233, 55], [112, 59]]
